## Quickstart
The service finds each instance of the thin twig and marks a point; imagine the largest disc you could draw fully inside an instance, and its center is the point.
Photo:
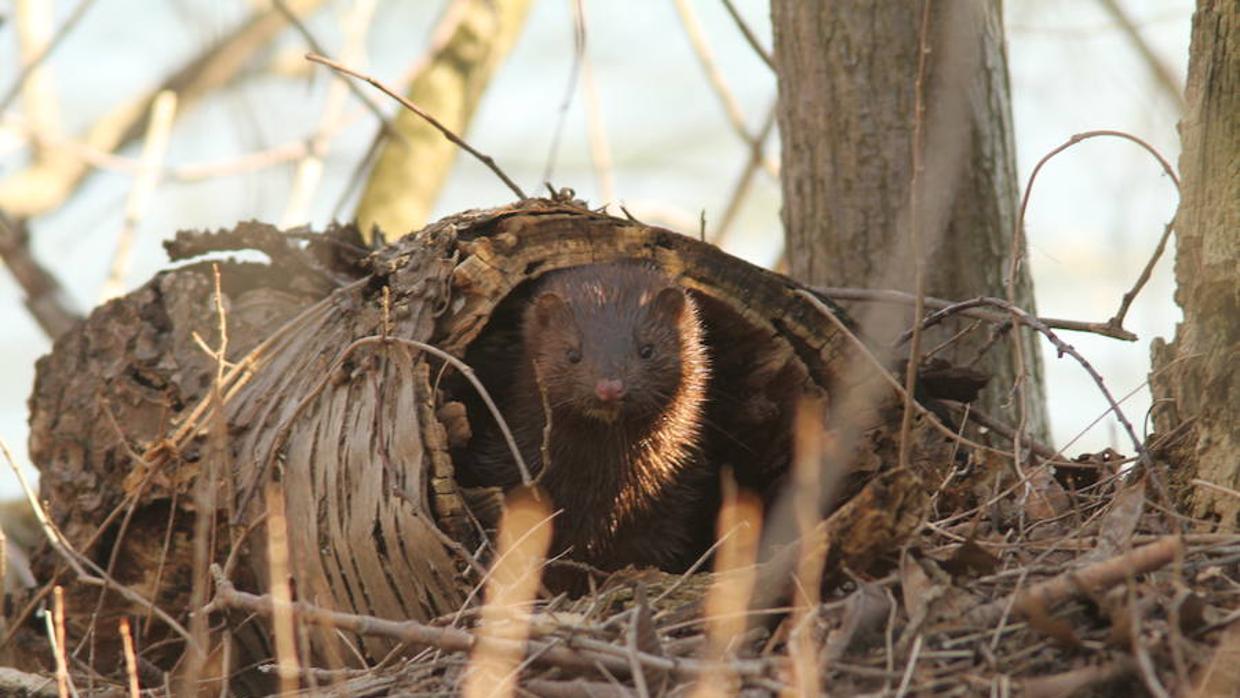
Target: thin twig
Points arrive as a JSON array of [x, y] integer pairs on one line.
[[80, 563], [1025, 318], [886, 375], [1095, 578], [45, 298], [310, 169], [574, 72], [588, 657], [455, 139], [79, 11], [741, 190], [363, 15], [749, 35], [697, 39], [914, 236], [523, 540], [59, 641], [838, 293], [1018, 233], [244, 163]]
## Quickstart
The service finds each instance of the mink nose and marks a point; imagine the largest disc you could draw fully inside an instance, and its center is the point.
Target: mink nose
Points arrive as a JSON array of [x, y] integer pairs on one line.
[[609, 389]]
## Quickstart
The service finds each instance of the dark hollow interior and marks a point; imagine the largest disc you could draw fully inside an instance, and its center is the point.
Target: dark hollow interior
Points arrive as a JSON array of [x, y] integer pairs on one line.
[[755, 383]]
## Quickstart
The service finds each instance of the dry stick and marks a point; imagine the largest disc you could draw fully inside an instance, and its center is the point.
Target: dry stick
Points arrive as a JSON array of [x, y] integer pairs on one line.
[[1145, 666], [1018, 234], [1094, 578], [697, 39], [71, 21], [914, 236], [292, 18], [1024, 318], [839, 293], [449, 20], [1017, 256], [886, 375], [968, 413], [287, 427], [78, 562], [749, 35], [1073, 681], [206, 505], [485, 580], [163, 109], [455, 139], [588, 655], [912, 663]]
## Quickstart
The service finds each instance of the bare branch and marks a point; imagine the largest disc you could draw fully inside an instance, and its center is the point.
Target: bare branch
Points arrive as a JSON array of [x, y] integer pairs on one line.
[[455, 139], [749, 35], [79, 11], [45, 298]]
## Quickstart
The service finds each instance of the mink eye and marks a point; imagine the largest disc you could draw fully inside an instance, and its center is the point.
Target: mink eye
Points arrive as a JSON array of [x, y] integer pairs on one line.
[[646, 351], [574, 356]]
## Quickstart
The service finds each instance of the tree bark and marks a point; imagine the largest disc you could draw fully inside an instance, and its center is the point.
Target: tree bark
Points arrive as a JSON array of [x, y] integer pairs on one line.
[[1196, 378], [848, 78]]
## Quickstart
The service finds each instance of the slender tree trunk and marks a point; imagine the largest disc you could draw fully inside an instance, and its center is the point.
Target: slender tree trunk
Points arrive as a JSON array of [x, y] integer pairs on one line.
[[410, 172], [1196, 378], [848, 77]]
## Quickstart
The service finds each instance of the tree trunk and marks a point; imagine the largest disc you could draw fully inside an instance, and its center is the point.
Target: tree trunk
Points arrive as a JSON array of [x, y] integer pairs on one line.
[[848, 76], [1196, 378], [411, 170]]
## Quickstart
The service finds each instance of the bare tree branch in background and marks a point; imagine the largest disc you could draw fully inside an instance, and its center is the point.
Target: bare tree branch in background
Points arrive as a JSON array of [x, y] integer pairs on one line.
[[1166, 80], [407, 177], [33, 59], [356, 23], [697, 38], [45, 298], [44, 186]]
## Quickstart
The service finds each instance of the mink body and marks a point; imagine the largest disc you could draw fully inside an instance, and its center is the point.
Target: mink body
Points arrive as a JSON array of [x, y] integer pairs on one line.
[[614, 353]]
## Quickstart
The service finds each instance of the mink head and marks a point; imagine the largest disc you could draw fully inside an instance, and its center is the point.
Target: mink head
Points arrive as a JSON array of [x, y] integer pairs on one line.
[[608, 342]]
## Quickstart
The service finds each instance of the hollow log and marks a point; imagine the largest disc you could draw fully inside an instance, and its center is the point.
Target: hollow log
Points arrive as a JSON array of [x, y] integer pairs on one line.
[[155, 435]]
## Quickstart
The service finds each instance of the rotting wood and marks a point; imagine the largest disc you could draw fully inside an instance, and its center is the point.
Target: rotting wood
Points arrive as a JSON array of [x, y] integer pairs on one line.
[[376, 522]]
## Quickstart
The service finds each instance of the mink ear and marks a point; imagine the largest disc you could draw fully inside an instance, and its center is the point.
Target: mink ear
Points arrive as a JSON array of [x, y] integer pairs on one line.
[[670, 303], [550, 309]]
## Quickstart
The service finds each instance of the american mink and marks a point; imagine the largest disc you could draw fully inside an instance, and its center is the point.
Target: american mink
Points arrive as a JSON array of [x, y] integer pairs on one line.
[[615, 354]]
